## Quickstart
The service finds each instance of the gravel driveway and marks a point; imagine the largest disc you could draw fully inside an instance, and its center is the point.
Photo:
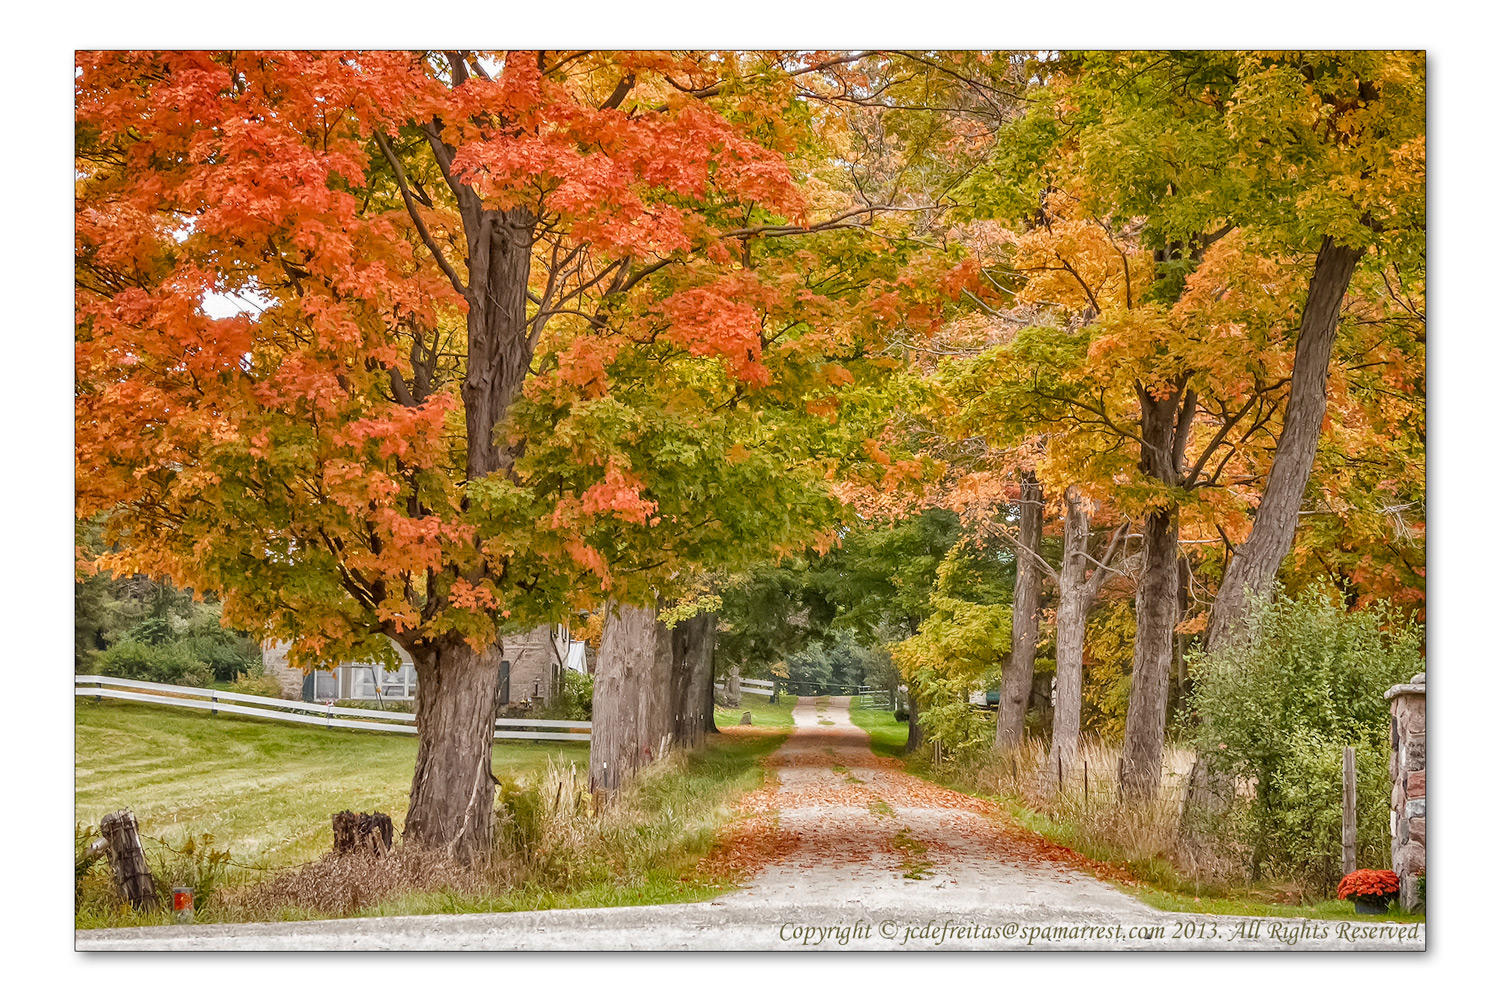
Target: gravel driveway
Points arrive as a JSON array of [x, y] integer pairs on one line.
[[868, 858]]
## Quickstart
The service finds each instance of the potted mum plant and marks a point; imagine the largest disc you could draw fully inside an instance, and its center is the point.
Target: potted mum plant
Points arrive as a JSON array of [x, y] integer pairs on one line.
[[1371, 889]]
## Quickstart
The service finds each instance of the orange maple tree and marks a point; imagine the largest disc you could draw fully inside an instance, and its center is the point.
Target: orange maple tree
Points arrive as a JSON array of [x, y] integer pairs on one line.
[[397, 346]]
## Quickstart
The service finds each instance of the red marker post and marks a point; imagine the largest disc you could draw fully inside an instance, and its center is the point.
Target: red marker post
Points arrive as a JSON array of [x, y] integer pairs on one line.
[[182, 904]]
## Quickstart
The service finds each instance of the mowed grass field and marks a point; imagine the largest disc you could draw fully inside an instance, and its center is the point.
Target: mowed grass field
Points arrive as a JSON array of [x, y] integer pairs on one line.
[[265, 790], [762, 712], [887, 734]]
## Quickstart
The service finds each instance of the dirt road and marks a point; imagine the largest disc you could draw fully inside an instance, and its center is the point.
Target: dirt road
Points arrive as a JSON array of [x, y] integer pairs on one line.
[[868, 857]]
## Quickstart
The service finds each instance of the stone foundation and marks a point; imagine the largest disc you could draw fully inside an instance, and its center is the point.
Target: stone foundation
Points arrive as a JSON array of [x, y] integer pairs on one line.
[[1409, 785]]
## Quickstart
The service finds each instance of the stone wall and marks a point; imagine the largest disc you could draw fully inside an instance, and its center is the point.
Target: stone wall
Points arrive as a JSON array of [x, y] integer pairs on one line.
[[273, 657], [1409, 784], [532, 665]]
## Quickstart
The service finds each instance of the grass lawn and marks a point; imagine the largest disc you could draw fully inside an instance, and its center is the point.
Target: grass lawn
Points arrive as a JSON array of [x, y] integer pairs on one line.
[[265, 790], [762, 712], [887, 736]]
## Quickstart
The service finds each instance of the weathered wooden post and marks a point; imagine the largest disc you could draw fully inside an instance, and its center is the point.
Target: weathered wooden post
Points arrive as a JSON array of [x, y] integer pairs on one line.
[[1349, 827], [1409, 785], [122, 844]]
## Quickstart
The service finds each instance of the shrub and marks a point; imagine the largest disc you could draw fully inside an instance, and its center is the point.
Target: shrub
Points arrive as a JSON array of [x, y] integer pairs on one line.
[[226, 654], [1275, 709], [154, 631], [574, 699], [256, 682], [168, 664], [1305, 820]]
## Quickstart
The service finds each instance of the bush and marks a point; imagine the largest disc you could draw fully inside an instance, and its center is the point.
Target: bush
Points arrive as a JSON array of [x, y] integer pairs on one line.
[[1274, 710], [256, 682], [1307, 818], [170, 664], [226, 654], [574, 699], [154, 631]]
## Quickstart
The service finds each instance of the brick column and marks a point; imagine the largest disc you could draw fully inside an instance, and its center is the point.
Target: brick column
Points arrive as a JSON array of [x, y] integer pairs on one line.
[[1409, 784]]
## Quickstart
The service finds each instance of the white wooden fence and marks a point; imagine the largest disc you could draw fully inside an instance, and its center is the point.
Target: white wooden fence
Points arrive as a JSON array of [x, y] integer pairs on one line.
[[306, 712], [753, 686]]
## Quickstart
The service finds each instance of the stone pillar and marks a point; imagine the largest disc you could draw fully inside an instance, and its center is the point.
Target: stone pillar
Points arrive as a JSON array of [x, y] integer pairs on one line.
[[1409, 784]]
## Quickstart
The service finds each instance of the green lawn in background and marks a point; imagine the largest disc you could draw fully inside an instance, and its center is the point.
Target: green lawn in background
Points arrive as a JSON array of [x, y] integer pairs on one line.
[[762, 712], [265, 790], [887, 736]]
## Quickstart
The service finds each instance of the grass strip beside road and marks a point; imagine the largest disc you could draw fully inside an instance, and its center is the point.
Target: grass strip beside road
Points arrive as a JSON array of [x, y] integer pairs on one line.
[[887, 735]]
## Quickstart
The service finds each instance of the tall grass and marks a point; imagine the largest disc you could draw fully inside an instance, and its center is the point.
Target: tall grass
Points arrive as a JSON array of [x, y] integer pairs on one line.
[[1156, 840]]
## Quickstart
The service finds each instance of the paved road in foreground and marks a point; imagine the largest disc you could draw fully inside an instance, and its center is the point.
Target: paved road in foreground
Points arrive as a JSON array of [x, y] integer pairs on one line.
[[871, 858]]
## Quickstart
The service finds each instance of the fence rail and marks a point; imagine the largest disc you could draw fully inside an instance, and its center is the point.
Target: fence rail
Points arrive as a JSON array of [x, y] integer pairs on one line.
[[304, 712], [753, 686]]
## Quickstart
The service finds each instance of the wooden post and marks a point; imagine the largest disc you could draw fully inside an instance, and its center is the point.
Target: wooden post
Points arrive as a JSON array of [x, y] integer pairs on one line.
[[1349, 828], [122, 843], [1085, 781]]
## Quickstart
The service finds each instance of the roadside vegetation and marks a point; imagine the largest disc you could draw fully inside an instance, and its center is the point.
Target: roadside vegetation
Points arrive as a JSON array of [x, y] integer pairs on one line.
[[1199, 860], [241, 811]]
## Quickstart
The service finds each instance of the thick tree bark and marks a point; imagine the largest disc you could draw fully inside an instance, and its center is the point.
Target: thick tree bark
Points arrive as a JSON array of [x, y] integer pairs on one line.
[[627, 654], [693, 678], [1253, 567], [453, 789], [655, 698], [1076, 594], [1165, 424], [1015, 684], [1155, 623]]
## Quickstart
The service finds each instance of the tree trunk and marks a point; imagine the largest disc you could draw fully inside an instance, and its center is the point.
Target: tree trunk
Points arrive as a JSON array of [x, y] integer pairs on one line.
[[453, 789], [1155, 624], [1073, 603], [1253, 567], [1015, 684], [709, 725], [627, 654], [694, 691], [913, 726], [499, 338], [655, 696]]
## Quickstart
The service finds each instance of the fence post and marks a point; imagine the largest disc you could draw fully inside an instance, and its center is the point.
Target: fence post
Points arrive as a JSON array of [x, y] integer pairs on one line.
[[1085, 782], [1349, 826], [215, 699], [126, 859]]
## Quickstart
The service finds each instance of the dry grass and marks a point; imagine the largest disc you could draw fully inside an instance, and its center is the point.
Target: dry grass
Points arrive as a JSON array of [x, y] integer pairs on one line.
[[1086, 811]]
